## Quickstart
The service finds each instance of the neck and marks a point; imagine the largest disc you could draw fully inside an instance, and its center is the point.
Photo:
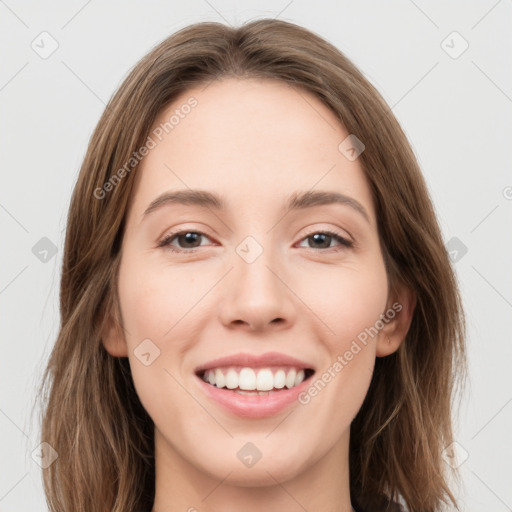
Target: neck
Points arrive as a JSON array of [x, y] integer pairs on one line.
[[182, 486]]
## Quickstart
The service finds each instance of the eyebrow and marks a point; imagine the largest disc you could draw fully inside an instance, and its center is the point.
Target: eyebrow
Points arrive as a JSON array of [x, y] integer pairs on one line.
[[296, 201]]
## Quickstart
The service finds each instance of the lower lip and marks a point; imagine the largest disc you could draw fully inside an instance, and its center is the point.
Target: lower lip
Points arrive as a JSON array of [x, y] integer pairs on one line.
[[257, 406]]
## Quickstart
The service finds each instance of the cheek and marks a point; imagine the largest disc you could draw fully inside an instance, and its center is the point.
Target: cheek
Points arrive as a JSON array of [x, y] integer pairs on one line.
[[154, 303], [152, 306], [153, 299], [346, 299], [351, 310], [350, 302]]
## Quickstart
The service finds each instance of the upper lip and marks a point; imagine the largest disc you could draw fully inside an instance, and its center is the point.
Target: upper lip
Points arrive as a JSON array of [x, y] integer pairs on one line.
[[255, 361]]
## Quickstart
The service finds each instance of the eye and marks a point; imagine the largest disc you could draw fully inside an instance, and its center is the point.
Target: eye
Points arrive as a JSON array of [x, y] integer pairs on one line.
[[190, 240], [324, 239]]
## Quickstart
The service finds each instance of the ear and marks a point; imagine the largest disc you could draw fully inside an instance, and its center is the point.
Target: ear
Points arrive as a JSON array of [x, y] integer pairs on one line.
[[112, 334], [402, 303]]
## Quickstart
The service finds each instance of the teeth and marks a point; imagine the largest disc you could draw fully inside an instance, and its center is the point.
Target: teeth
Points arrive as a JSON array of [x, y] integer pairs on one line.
[[290, 379], [219, 378], [240, 392], [299, 377], [231, 379], [247, 379], [279, 379], [251, 381], [265, 381]]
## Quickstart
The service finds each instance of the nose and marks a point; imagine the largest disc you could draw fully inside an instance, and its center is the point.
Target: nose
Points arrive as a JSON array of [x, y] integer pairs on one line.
[[257, 296]]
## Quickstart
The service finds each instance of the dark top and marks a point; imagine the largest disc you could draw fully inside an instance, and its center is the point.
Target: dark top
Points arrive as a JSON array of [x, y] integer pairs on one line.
[[395, 508]]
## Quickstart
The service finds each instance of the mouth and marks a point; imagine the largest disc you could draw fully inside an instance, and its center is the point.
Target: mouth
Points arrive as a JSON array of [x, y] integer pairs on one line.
[[261, 381], [254, 386]]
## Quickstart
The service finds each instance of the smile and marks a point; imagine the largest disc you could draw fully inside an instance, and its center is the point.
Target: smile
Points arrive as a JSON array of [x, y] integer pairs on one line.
[[256, 381]]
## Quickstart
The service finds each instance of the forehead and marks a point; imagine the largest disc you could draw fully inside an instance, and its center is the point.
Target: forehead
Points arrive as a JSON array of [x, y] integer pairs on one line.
[[248, 139], [252, 115]]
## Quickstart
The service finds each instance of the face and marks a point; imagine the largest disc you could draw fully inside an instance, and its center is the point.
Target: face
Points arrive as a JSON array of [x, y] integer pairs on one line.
[[281, 286]]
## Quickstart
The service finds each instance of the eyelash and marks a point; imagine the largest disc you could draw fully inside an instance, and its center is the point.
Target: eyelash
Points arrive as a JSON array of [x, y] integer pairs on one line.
[[165, 242]]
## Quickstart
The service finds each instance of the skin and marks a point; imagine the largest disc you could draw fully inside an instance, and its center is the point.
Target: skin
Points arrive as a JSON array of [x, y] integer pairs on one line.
[[253, 142]]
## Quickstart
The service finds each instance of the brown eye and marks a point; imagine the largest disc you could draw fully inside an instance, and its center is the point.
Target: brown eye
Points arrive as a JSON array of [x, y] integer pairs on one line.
[[187, 241], [323, 240]]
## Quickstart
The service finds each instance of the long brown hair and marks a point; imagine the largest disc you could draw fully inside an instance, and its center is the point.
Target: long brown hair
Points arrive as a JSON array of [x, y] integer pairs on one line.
[[92, 415]]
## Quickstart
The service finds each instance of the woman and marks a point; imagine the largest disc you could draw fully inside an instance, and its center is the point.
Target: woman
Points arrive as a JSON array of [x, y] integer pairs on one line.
[[302, 352]]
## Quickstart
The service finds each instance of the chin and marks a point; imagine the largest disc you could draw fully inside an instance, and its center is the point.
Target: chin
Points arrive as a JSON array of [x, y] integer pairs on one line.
[[276, 465]]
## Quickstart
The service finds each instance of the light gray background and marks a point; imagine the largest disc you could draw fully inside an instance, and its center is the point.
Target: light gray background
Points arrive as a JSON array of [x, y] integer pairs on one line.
[[455, 111]]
